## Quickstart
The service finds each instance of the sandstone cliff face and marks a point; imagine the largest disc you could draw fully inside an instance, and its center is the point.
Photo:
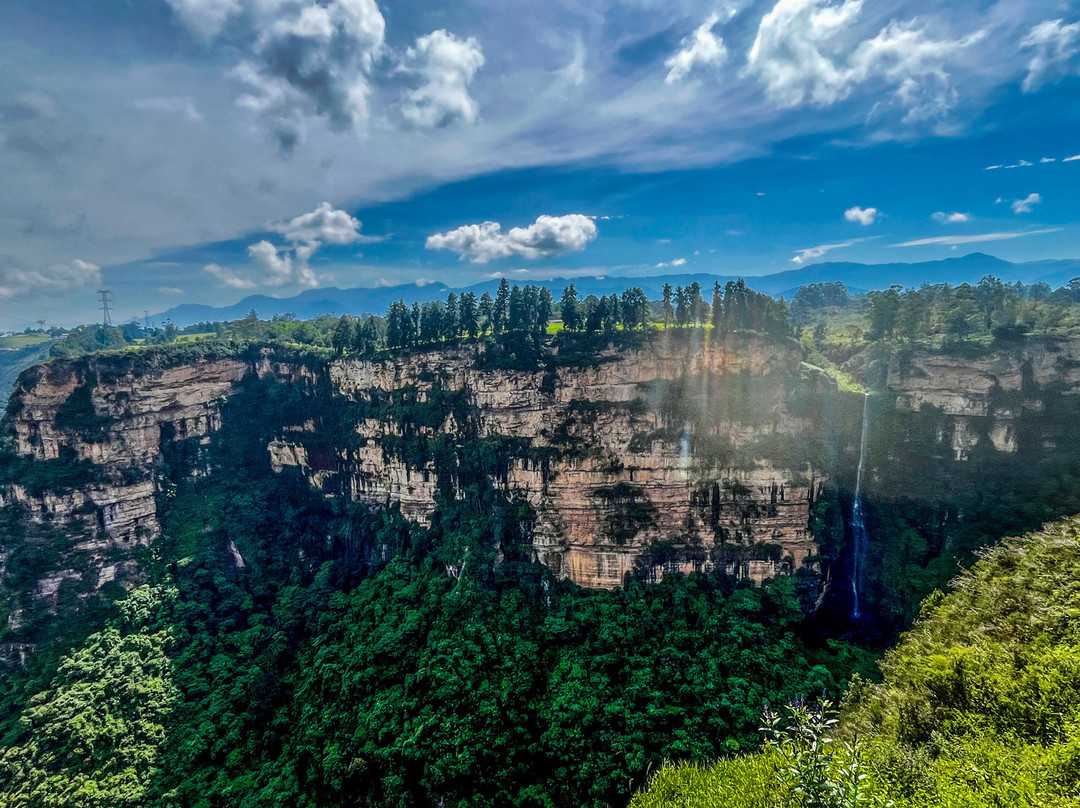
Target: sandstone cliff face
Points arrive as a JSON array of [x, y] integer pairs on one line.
[[607, 472], [983, 398], [108, 430]]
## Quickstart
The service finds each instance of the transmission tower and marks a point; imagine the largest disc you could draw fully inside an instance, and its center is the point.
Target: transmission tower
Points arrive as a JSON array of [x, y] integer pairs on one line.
[[106, 316]]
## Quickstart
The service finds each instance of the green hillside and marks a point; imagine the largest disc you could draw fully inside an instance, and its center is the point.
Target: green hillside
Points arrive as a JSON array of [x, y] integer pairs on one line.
[[980, 703]]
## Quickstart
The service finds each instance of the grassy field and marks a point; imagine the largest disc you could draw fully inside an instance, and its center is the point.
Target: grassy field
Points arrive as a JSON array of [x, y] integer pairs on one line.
[[23, 340]]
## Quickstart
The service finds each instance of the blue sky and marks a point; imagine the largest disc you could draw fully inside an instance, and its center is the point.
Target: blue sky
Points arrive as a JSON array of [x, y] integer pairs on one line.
[[201, 150]]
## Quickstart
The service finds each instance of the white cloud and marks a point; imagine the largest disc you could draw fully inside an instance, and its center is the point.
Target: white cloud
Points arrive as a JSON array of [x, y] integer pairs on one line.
[[447, 65], [283, 269], [954, 240], [1048, 160], [801, 55], [678, 262], [175, 105], [17, 281], [951, 218], [205, 17], [1055, 46], [1072, 159], [302, 59], [994, 168], [286, 266], [547, 237], [1025, 205], [702, 48], [171, 290], [229, 278], [864, 216], [322, 225], [810, 253]]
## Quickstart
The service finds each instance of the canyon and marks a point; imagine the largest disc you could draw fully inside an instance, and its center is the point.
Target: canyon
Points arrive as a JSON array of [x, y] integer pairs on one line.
[[672, 454]]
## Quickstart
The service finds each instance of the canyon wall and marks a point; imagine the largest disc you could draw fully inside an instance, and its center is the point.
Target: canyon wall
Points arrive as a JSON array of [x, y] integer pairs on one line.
[[617, 454], [983, 399], [669, 454]]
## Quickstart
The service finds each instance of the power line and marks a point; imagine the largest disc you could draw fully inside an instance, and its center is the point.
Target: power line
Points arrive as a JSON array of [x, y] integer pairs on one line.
[[106, 316]]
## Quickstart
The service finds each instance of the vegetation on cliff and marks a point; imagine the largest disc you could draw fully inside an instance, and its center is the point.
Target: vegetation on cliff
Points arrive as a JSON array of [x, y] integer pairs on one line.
[[979, 706], [299, 651]]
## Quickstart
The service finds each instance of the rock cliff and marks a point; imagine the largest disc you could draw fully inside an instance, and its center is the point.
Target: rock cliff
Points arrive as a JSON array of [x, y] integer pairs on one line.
[[669, 454], [629, 459]]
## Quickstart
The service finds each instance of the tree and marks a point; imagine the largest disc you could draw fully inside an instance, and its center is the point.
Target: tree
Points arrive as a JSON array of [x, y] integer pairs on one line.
[[486, 310], [634, 308], [571, 316], [344, 335], [544, 308], [666, 309], [469, 315], [500, 312], [717, 305], [884, 309], [451, 318], [696, 304], [682, 306]]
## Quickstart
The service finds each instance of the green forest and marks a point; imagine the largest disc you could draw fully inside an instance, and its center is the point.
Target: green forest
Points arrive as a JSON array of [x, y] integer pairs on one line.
[[286, 648]]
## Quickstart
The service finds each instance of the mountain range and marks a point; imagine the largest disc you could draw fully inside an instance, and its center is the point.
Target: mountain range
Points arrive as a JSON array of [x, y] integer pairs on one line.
[[857, 277]]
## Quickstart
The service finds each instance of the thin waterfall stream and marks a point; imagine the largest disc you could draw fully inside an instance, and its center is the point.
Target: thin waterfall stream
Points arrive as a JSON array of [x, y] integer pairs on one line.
[[858, 522]]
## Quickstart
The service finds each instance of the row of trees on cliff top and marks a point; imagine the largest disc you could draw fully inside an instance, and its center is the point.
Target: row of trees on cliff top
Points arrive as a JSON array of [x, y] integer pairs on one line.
[[529, 310], [990, 307]]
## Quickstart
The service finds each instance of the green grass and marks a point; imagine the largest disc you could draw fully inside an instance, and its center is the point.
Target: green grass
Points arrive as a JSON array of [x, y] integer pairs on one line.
[[195, 337], [23, 340], [744, 782]]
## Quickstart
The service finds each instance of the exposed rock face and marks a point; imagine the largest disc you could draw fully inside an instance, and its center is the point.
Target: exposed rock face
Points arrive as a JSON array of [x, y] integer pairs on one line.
[[647, 457], [131, 415], [983, 398], [609, 469]]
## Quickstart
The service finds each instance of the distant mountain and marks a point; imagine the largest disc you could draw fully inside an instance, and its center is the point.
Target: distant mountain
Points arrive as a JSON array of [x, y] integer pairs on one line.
[[857, 277]]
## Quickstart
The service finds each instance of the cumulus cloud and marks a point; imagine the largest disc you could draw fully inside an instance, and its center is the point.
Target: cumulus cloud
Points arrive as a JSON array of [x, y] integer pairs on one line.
[[678, 262], [810, 253], [284, 266], [951, 218], [1055, 45], [229, 278], [702, 48], [1026, 204], [17, 281], [864, 216], [446, 65], [955, 240], [547, 237], [301, 58], [801, 55], [322, 225]]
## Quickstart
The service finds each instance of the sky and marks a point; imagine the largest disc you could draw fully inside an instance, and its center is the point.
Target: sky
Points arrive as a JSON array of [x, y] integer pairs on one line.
[[202, 150]]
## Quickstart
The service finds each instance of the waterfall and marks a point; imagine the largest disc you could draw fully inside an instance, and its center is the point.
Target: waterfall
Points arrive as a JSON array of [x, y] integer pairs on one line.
[[858, 522]]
